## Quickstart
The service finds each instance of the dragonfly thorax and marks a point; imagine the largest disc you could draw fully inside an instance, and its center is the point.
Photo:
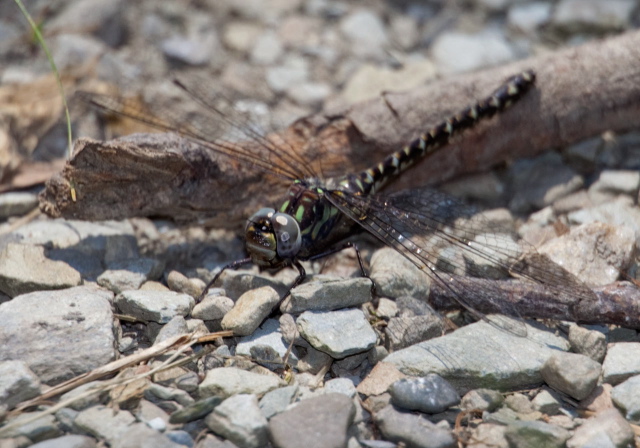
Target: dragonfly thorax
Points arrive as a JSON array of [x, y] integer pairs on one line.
[[272, 238]]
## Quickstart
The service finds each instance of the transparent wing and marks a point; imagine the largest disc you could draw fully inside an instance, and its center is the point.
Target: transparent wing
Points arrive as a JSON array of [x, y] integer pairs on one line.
[[446, 239]]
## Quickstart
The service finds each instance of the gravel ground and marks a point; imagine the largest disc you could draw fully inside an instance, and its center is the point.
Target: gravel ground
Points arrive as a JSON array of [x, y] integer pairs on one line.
[[363, 372]]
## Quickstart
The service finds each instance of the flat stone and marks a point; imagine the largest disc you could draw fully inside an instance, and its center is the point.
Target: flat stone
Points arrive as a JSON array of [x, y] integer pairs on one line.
[[250, 310], [25, 268], [70, 331], [587, 342], [595, 253], [17, 203], [212, 308], [238, 419], [156, 306], [412, 430], [430, 394], [180, 283], [546, 402], [455, 52], [130, 274], [104, 423], [395, 276], [529, 17], [327, 295], [141, 435], [482, 399], [379, 379], [626, 396], [155, 392], [228, 381], [329, 415], [608, 428], [337, 333], [500, 360], [175, 327], [42, 428], [404, 331], [277, 400], [622, 362], [68, 441], [78, 403], [616, 213], [342, 386], [267, 335], [536, 434], [571, 373], [195, 411], [17, 383]]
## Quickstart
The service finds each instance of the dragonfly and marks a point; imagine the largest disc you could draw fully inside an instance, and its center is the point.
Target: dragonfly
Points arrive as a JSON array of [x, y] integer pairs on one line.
[[318, 216]]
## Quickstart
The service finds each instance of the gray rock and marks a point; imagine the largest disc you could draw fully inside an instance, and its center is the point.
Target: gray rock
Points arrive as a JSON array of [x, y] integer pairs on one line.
[[455, 52], [536, 434], [197, 48], [571, 373], [314, 361], [310, 94], [617, 213], [188, 382], [277, 400], [405, 331], [608, 428], [105, 423], [327, 295], [626, 397], [595, 253], [107, 240], [156, 306], [17, 203], [491, 435], [266, 49], [337, 333], [500, 360], [102, 19], [329, 415], [155, 392], [71, 50], [293, 71], [195, 411], [181, 438], [176, 326], [546, 402], [519, 403], [40, 429], [541, 181], [211, 441], [365, 31], [54, 318], [180, 283], [267, 335], [212, 308], [528, 17], [250, 310], [25, 268], [430, 394], [482, 399], [139, 435], [622, 362], [228, 381], [395, 276], [82, 403], [239, 419], [130, 274], [587, 342], [613, 183], [89, 266], [152, 415], [68, 441], [503, 416], [17, 383], [485, 265], [240, 36], [412, 430], [342, 386], [592, 15], [386, 308]]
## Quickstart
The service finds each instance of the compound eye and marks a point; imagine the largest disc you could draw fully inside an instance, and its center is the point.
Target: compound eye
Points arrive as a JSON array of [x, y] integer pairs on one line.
[[287, 233], [261, 219]]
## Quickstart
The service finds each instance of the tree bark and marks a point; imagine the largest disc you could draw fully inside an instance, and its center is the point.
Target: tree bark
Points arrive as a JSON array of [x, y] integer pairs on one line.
[[581, 92]]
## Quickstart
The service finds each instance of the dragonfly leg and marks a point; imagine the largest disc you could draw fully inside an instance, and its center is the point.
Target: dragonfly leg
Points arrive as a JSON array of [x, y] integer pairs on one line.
[[233, 265]]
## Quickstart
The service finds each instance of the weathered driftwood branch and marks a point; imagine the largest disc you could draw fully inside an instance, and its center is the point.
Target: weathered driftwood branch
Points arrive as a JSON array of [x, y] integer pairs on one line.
[[581, 92]]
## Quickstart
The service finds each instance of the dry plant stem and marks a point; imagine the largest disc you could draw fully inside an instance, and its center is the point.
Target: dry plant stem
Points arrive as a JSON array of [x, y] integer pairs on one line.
[[581, 92], [181, 343]]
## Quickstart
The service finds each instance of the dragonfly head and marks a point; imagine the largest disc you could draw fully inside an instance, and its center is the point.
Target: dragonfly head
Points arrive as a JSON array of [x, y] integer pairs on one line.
[[272, 237]]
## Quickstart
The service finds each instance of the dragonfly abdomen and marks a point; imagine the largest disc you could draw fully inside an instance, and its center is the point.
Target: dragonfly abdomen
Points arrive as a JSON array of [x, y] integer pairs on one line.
[[374, 178]]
